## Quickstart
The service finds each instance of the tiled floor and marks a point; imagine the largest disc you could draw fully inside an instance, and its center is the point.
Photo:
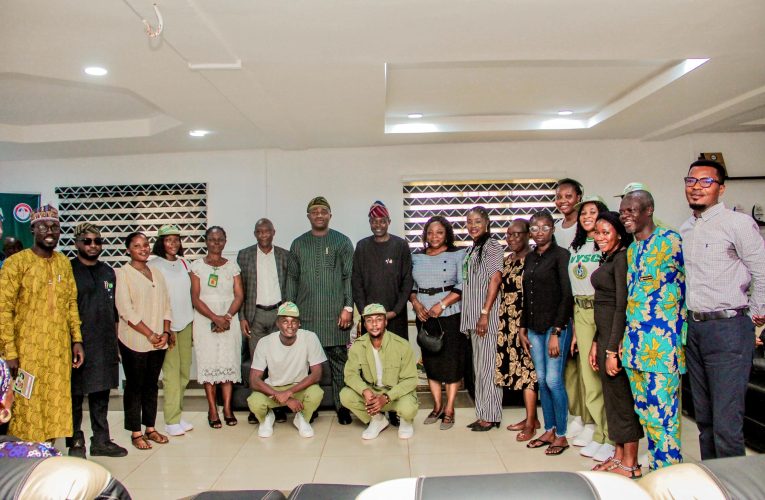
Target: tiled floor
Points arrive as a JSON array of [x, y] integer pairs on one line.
[[236, 458]]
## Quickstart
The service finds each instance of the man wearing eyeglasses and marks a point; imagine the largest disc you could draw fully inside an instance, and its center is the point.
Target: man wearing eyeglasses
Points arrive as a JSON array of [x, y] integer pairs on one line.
[[724, 254], [40, 331], [95, 301]]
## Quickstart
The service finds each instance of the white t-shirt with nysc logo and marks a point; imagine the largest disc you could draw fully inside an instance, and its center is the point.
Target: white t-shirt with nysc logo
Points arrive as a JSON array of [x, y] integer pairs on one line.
[[288, 364], [581, 265]]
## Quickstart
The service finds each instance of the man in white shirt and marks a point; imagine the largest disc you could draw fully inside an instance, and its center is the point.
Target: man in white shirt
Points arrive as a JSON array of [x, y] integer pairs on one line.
[[724, 253], [264, 278], [293, 358]]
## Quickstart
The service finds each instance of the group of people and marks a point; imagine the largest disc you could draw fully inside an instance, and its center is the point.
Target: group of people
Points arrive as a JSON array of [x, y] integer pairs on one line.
[[595, 312]]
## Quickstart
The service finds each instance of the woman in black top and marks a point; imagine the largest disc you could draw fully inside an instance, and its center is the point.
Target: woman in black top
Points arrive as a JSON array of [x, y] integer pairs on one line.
[[547, 309], [610, 282]]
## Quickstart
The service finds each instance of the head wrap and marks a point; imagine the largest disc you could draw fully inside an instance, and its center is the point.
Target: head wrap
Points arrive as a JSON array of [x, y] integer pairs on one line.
[[378, 209], [288, 309], [168, 229], [372, 309], [86, 227], [5, 378], [319, 201], [45, 213]]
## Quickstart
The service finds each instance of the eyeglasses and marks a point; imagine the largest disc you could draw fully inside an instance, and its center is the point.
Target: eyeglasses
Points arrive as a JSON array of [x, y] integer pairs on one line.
[[516, 234], [704, 182], [91, 241], [540, 229], [44, 228]]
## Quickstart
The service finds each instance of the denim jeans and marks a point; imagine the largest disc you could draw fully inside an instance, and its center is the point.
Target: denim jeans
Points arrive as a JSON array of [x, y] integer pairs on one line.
[[552, 389]]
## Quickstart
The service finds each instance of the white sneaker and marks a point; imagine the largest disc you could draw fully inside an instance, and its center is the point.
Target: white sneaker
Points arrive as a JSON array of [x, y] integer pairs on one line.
[[375, 427], [591, 449], [266, 427], [405, 429], [186, 426], [575, 427], [604, 453], [304, 428], [174, 429], [585, 437]]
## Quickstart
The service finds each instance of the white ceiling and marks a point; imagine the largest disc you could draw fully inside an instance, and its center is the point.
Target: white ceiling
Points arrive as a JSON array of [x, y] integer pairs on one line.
[[317, 73]]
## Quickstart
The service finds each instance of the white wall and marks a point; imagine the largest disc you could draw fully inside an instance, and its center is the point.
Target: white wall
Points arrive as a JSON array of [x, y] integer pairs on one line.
[[246, 185]]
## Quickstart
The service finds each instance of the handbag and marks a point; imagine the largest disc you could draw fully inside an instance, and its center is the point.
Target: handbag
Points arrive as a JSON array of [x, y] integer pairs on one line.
[[430, 337]]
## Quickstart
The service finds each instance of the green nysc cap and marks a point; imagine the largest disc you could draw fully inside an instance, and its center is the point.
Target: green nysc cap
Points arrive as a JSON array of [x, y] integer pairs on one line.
[[372, 309], [288, 309], [169, 229], [590, 199], [631, 188]]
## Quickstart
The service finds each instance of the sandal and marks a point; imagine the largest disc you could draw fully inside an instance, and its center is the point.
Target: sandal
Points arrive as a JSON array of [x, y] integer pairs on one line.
[[556, 449], [447, 422], [433, 417], [215, 424], [606, 466], [526, 434], [632, 472], [538, 443], [156, 437], [140, 442], [230, 421], [522, 426]]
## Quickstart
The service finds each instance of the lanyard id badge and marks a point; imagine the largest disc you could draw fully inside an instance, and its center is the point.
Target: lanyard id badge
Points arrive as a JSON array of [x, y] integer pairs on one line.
[[212, 280]]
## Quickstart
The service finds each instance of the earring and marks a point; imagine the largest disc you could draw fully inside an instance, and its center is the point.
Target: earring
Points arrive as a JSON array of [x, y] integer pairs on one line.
[[5, 415]]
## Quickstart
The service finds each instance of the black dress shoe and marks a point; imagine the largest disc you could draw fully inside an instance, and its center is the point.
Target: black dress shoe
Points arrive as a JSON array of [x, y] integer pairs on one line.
[[107, 449], [344, 416], [393, 418], [251, 418], [77, 445], [483, 428], [281, 415]]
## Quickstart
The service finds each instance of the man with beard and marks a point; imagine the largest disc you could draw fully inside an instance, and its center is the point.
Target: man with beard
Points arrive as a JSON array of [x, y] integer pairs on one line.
[[653, 353], [381, 376], [319, 282], [724, 253], [40, 330], [95, 378]]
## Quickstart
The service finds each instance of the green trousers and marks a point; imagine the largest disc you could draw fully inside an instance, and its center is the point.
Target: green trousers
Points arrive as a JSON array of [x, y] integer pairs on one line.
[[175, 375], [584, 322], [311, 396], [575, 389], [406, 406]]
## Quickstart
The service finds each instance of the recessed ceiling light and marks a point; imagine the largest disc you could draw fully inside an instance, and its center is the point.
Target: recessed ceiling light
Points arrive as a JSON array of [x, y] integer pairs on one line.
[[565, 112], [414, 116], [198, 133], [95, 71]]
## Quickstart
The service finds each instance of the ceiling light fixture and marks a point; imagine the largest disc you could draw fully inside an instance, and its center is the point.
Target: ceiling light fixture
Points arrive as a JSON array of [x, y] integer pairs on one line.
[[414, 116], [96, 71], [198, 133], [565, 112]]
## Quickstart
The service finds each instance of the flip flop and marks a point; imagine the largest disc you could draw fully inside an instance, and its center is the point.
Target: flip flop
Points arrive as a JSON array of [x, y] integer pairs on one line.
[[538, 443], [556, 449]]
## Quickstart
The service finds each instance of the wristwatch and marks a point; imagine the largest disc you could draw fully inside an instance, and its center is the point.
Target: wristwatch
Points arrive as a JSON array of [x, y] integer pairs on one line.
[[348, 308], [556, 332], [441, 303], [484, 311]]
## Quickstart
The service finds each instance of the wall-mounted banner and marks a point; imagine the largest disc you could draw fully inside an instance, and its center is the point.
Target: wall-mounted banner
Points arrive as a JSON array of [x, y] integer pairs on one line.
[[17, 211]]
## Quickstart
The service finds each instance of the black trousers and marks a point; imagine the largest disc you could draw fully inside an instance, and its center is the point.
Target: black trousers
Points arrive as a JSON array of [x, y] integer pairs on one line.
[[98, 406], [719, 358], [141, 386], [337, 356]]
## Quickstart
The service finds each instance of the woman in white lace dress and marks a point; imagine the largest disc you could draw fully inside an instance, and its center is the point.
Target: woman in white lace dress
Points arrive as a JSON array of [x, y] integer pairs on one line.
[[217, 294]]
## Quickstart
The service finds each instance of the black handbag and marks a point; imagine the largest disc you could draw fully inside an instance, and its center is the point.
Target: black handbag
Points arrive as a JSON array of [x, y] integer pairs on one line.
[[430, 337]]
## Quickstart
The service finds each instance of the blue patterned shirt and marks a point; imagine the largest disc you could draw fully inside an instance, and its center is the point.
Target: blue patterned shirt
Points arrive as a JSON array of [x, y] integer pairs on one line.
[[656, 317]]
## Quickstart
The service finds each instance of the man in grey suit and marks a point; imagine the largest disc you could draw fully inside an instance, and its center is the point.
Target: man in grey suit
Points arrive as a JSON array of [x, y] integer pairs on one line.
[[264, 277]]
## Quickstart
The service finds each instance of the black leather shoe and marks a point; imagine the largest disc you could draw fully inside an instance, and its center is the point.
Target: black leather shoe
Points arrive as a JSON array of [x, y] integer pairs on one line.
[[344, 416], [483, 428], [393, 418], [281, 415], [251, 418], [77, 445], [107, 449]]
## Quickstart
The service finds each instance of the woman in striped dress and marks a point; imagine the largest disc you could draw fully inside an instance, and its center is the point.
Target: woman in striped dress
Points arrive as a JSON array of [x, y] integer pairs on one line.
[[482, 275]]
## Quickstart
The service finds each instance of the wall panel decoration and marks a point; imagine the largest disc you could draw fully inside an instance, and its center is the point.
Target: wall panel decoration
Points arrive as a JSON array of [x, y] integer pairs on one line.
[[505, 201], [121, 210]]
